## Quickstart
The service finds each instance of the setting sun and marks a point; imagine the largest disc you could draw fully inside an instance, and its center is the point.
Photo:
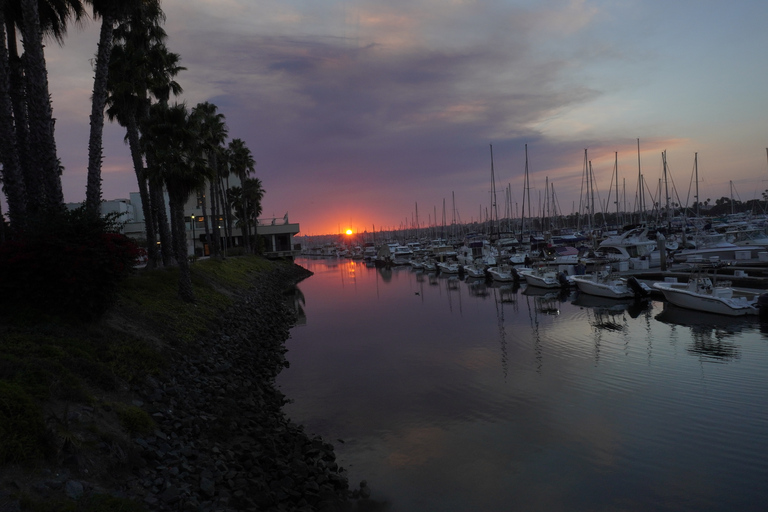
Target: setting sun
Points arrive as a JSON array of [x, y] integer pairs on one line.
[[349, 231]]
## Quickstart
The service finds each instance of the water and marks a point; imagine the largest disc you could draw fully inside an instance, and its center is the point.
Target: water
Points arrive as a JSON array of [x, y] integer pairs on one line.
[[456, 396]]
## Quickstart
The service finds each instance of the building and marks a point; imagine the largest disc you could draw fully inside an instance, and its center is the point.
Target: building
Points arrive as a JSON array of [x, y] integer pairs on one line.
[[277, 235]]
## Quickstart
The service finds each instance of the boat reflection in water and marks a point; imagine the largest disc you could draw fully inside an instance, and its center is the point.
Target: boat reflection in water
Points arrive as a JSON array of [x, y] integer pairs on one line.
[[458, 395], [712, 335]]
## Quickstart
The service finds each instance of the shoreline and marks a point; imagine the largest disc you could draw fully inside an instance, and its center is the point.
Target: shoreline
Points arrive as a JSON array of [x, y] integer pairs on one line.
[[221, 440]]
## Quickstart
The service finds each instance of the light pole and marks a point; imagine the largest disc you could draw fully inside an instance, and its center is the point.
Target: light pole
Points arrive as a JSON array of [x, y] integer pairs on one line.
[[194, 252]]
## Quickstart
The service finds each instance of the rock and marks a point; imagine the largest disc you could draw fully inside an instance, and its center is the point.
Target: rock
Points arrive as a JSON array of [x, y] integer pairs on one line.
[[74, 489], [207, 487]]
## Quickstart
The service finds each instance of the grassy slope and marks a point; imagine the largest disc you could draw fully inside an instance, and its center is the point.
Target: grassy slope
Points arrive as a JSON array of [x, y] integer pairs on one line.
[[53, 370]]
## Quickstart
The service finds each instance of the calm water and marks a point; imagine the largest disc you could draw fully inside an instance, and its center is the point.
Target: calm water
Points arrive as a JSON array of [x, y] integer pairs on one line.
[[457, 396]]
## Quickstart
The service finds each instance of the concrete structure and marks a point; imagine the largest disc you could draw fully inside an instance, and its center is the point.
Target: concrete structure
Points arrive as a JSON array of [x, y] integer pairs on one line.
[[278, 237]]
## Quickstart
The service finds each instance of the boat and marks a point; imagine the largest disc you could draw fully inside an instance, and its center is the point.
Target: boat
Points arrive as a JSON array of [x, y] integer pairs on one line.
[[605, 283], [503, 273], [544, 278], [448, 267], [702, 294], [401, 255], [475, 269], [714, 247]]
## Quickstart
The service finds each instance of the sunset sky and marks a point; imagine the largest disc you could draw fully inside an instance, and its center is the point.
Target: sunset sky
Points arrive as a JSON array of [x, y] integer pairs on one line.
[[357, 111]]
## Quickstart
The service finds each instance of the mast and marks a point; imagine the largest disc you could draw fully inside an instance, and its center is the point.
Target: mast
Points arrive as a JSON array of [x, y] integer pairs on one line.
[[640, 188], [696, 172], [582, 195], [732, 206], [666, 189], [591, 199], [526, 191], [494, 211], [616, 173]]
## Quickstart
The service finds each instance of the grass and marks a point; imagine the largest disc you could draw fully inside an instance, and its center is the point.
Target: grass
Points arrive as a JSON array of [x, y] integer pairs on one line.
[[47, 362]]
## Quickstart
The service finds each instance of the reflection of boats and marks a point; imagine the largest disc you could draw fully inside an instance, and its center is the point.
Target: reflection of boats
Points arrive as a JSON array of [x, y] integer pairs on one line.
[[709, 331], [701, 321], [611, 305], [508, 293], [604, 283], [701, 294], [536, 291], [547, 304], [477, 287]]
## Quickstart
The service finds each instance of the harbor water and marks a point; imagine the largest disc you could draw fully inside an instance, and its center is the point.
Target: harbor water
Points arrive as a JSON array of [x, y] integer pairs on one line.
[[453, 395]]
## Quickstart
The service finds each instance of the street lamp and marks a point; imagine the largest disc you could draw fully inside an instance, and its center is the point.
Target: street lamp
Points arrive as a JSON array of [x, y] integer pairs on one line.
[[194, 252]]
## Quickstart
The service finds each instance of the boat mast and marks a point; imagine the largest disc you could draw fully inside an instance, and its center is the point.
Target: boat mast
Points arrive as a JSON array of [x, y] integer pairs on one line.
[[582, 197], [494, 210], [666, 189], [640, 189], [616, 173], [696, 172], [526, 191]]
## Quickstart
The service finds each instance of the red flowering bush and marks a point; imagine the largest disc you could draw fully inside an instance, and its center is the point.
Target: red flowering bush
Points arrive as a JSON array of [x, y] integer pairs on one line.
[[66, 264]]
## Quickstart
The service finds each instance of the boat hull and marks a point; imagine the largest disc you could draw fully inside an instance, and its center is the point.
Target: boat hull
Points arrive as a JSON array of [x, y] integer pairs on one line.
[[679, 296], [613, 289]]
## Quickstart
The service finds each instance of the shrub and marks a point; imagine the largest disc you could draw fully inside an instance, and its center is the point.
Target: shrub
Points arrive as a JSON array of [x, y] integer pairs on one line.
[[67, 263], [22, 431], [135, 420]]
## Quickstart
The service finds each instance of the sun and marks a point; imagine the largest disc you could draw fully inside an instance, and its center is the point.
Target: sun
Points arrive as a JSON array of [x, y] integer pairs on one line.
[[349, 231]]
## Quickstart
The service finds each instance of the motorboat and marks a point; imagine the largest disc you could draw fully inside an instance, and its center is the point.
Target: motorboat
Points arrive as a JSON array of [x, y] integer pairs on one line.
[[448, 267], [475, 269], [503, 273], [702, 294], [545, 278], [401, 255], [714, 247], [605, 283]]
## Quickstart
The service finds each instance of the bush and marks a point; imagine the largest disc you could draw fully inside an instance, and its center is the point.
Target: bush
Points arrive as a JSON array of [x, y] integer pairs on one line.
[[22, 431], [135, 420], [67, 263]]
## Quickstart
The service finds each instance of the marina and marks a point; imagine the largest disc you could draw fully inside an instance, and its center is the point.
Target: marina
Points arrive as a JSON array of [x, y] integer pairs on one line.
[[455, 394]]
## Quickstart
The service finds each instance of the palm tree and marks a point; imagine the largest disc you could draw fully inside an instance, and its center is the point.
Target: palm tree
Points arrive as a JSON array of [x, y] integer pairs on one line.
[[246, 201], [110, 12], [213, 133], [12, 178], [27, 93], [137, 39], [177, 162], [253, 193], [242, 164], [222, 182], [28, 90]]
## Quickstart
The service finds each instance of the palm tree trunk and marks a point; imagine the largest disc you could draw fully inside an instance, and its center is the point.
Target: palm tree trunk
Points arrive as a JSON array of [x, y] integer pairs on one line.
[[9, 155], [32, 184], [245, 229], [215, 218], [93, 187], [44, 160], [176, 200], [138, 166], [161, 220], [227, 208], [206, 220]]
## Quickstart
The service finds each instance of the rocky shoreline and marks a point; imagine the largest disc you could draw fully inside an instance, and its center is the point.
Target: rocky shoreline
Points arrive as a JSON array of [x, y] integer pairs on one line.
[[221, 441]]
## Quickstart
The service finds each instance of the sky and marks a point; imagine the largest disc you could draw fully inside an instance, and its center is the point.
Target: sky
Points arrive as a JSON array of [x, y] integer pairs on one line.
[[365, 114]]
